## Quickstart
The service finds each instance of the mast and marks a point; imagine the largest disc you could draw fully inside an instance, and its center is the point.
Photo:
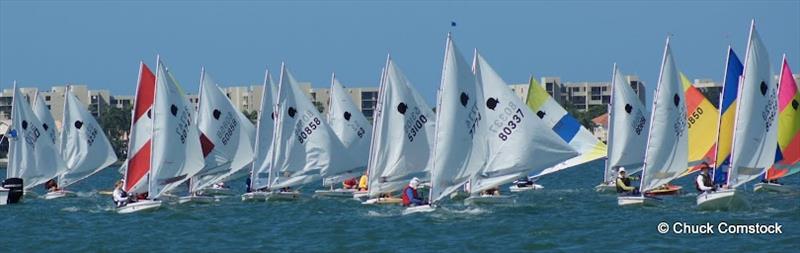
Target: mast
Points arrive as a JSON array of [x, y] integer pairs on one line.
[[260, 114], [719, 118], [739, 94], [610, 120], [438, 113], [375, 120], [276, 110], [153, 129], [653, 115]]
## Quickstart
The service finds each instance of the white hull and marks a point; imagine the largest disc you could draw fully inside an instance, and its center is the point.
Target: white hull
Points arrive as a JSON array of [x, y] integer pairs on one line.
[[140, 205], [721, 199], [770, 187], [489, 200], [636, 200], [283, 196], [199, 199], [605, 188], [383, 201], [217, 192], [59, 194], [255, 196], [361, 196], [3, 196], [532, 187], [337, 193], [419, 209]]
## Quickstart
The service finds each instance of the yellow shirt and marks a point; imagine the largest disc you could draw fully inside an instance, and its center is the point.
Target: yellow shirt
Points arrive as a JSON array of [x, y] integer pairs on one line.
[[362, 183]]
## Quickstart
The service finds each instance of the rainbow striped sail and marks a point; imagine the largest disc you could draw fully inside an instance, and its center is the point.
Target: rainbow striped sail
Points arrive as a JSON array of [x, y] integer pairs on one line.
[[728, 101], [787, 159], [566, 126], [702, 119]]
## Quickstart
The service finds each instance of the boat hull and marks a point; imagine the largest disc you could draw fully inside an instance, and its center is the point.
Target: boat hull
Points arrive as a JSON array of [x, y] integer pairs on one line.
[[141, 205], [489, 200], [636, 200], [419, 209], [605, 188], [255, 196], [383, 201], [515, 188], [770, 187], [336, 193], [361, 196], [670, 190], [3, 196], [59, 194], [217, 192], [199, 199], [283, 196], [720, 200]]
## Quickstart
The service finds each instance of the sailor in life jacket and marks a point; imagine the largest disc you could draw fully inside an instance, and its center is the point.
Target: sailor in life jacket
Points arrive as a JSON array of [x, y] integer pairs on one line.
[[410, 196], [703, 183], [623, 183], [119, 195]]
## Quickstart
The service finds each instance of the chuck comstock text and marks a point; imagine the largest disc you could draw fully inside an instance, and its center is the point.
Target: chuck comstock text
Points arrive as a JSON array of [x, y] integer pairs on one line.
[[721, 227]]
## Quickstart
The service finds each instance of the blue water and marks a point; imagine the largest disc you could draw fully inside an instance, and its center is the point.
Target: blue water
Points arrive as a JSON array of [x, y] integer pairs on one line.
[[566, 216]]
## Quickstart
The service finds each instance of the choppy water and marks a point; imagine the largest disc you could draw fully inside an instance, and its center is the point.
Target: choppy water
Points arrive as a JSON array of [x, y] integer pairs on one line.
[[567, 216]]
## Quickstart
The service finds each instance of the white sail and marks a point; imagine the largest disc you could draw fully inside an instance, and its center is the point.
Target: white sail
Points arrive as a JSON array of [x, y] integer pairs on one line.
[[755, 131], [666, 154], [349, 123], [259, 175], [517, 140], [84, 146], [43, 113], [32, 154], [176, 153], [304, 147], [627, 129], [224, 136], [403, 134], [458, 117]]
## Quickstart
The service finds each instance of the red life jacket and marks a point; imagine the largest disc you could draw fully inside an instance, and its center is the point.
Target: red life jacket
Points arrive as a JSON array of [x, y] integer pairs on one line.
[[406, 198]]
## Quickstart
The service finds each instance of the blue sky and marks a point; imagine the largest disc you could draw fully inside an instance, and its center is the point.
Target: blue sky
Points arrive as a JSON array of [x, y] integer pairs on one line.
[[98, 43]]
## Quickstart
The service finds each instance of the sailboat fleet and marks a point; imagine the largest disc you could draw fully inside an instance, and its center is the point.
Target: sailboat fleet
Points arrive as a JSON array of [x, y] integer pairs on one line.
[[480, 137]]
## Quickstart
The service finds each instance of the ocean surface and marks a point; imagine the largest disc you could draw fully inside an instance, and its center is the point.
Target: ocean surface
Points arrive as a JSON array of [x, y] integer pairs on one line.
[[566, 216]]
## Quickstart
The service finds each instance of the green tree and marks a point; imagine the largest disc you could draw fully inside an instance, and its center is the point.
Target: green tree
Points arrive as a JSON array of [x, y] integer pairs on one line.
[[116, 123], [252, 115], [320, 107]]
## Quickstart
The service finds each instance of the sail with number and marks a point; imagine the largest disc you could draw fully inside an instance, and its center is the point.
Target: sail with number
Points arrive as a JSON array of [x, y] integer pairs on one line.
[[176, 153], [787, 162], [517, 140], [403, 131], [32, 155], [84, 146], [225, 136], [348, 123], [666, 154], [259, 175], [702, 119], [566, 126], [755, 135], [628, 124], [305, 149]]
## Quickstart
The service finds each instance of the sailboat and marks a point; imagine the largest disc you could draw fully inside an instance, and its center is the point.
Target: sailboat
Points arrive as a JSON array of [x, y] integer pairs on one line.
[[727, 116], [136, 168], [84, 146], [787, 162], [666, 152], [755, 135], [305, 149], [402, 137], [352, 129], [261, 166], [567, 127], [627, 132], [176, 154], [32, 156], [225, 140], [517, 140]]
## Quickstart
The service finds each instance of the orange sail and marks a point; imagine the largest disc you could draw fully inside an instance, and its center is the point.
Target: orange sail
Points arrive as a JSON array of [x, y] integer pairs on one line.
[[702, 119]]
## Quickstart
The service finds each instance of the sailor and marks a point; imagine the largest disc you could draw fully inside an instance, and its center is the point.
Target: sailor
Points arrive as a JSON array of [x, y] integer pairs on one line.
[[51, 185], [703, 183], [350, 183], [220, 185], [247, 183], [410, 196], [362, 182], [624, 183], [119, 195], [494, 191]]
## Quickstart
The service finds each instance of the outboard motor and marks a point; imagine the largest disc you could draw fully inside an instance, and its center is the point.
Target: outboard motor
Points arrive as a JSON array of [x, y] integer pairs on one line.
[[14, 186]]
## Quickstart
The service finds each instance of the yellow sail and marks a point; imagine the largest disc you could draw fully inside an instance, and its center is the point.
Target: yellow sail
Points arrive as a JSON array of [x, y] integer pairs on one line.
[[702, 120]]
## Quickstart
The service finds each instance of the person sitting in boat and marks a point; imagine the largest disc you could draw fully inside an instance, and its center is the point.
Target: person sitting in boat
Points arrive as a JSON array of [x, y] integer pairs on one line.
[[51, 185], [220, 185], [410, 196], [119, 195], [286, 189], [703, 183], [362, 182], [495, 191], [350, 183], [247, 183], [624, 183]]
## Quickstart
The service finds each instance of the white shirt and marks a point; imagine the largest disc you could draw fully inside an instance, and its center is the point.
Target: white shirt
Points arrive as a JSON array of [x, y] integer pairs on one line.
[[701, 185]]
